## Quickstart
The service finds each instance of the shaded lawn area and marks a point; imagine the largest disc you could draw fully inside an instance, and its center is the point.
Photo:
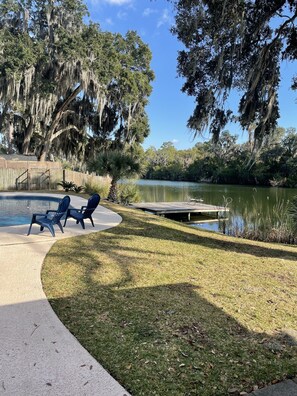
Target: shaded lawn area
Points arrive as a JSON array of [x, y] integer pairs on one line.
[[172, 310]]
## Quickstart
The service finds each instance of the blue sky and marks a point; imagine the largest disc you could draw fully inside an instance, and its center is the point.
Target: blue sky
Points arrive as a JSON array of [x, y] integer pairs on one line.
[[169, 109]]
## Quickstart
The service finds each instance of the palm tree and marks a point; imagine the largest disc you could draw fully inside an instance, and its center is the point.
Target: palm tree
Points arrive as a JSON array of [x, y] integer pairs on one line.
[[118, 165]]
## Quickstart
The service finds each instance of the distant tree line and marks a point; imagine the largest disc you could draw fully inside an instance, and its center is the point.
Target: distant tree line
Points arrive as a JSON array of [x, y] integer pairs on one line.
[[228, 162]]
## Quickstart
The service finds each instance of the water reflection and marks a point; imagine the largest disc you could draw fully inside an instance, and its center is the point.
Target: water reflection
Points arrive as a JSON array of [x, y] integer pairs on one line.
[[19, 211], [247, 204]]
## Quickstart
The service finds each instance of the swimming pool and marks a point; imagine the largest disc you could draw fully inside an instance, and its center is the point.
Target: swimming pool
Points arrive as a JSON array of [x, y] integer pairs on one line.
[[18, 210]]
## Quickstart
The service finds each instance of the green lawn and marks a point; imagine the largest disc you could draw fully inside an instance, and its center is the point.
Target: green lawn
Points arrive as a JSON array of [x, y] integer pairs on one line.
[[171, 310]]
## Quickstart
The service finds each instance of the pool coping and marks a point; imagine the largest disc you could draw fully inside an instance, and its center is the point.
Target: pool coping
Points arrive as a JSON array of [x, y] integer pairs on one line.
[[38, 355]]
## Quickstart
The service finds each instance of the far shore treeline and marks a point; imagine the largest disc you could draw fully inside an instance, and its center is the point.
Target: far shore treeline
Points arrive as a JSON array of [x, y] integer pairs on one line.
[[228, 162]]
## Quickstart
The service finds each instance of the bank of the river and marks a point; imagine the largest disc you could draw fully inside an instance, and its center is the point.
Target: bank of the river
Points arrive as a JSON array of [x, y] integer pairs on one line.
[[172, 310]]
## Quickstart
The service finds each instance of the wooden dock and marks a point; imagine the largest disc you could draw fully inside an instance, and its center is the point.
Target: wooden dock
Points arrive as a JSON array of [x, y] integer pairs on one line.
[[164, 208]]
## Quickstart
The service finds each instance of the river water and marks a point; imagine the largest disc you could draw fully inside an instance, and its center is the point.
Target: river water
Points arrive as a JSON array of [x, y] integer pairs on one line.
[[245, 202]]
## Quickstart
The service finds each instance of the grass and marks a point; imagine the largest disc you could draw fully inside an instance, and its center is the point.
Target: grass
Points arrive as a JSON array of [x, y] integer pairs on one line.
[[172, 310]]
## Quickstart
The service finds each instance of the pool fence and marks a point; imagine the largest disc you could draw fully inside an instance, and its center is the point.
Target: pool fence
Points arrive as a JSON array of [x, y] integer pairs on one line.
[[35, 175]]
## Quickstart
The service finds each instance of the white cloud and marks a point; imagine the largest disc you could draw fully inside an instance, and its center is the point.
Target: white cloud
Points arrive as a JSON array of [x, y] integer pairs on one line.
[[122, 15], [109, 21], [148, 11], [165, 19], [174, 141], [118, 2]]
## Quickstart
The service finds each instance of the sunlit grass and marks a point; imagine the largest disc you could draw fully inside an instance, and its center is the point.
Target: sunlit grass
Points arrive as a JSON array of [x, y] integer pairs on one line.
[[171, 310]]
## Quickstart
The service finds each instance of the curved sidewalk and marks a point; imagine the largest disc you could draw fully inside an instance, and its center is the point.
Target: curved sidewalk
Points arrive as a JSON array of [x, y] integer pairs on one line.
[[38, 355]]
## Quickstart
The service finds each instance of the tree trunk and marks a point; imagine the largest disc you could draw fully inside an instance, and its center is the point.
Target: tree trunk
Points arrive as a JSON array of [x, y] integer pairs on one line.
[[27, 137], [10, 130], [46, 146], [49, 137], [113, 191]]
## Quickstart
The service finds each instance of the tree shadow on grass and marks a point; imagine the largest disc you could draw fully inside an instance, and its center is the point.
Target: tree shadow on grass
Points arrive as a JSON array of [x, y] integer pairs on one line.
[[168, 340], [158, 339], [160, 229]]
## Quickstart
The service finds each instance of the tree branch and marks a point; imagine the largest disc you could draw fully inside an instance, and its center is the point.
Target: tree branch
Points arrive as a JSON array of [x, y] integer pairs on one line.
[[68, 100], [58, 133]]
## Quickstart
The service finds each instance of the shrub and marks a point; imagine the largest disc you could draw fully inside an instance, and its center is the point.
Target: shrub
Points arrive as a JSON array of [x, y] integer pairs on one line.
[[100, 188], [128, 193], [67, 186], [70, 186], [78, 189]]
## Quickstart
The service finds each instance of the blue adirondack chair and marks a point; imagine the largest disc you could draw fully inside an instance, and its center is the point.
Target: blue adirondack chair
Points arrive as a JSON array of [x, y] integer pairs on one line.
[[48, 220], [85, 212]]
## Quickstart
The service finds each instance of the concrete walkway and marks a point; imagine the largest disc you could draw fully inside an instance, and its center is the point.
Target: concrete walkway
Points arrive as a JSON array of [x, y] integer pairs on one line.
[[38, 355], [284, 388]]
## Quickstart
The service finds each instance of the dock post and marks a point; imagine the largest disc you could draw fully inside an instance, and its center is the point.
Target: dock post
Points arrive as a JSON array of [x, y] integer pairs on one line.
[[189, 216]]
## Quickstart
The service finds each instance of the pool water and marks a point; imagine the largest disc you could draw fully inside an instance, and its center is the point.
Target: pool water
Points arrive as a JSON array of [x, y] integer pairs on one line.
[[19, 210]]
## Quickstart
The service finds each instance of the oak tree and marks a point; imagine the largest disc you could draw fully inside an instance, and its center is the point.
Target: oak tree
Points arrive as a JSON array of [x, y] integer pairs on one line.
[[66, 86], [239, 45]]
